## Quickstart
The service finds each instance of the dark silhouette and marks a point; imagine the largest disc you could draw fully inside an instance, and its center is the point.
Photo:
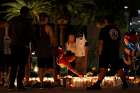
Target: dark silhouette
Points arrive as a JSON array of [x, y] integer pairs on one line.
[[21, 34], [108, 52]]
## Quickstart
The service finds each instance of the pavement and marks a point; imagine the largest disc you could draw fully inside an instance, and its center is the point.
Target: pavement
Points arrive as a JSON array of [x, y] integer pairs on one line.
[[66, 90]]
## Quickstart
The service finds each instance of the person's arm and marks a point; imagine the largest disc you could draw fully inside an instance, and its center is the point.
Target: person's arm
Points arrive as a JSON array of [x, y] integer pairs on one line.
[[128, 61], [49, 30], [100, 47], [100, 42]]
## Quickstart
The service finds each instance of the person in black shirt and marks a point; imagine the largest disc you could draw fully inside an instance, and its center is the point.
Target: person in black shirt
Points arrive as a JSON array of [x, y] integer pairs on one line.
[[109, 47], [21, 34]]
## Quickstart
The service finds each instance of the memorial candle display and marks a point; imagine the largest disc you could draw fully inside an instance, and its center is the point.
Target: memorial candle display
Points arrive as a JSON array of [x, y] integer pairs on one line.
[[83, 82]]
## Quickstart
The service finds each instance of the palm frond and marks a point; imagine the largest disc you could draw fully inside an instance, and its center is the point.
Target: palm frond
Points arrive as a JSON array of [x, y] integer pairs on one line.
[[35, 6], [21, 2], [54, 8], [10, 16], [14, 5]]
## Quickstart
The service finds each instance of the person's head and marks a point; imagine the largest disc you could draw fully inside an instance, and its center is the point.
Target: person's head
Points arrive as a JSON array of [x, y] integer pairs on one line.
[[24, 11], [100, 23], [109, 19], [80, 35], [131, 37], [43, 18], [3, 24], [71, 38]]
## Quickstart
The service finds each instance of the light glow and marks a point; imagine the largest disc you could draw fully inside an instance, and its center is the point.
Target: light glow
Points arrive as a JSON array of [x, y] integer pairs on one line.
[[126, 7]]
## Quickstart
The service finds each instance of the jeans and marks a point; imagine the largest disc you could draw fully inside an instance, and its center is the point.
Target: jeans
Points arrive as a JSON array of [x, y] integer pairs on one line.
[[19, 60]]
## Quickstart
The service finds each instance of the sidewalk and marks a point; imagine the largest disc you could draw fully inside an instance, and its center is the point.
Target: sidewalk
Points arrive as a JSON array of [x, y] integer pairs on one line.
[[63, 90]]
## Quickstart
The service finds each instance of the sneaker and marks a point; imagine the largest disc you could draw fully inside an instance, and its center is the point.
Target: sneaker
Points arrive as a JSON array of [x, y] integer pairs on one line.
[[94, 87]]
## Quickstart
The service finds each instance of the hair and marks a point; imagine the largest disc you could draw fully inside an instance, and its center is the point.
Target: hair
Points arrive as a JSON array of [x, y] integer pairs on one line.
[[70, 35], [100, 20], [43, 15], [24, 10], [2, 24], [109, 18], [80, 34]]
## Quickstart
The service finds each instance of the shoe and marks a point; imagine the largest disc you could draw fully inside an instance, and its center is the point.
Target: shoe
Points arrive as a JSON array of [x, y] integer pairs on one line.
[[94, 87], [11, 88], [28, 85], [21, 88], [125, 86], [6, 84], [57, 85], [42, 86]]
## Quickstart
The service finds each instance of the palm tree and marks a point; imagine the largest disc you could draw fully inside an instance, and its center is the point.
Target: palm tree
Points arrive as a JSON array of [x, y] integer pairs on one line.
[[76, 11], [35, 6], [80, 10]]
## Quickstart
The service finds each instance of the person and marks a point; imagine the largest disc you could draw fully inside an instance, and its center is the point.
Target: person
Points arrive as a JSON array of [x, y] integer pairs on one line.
[[127, 59], [81, 54], [131, 50], [2, 29], [21, 34], [71, 47], [45, 46], [109, 47], [7, 54]]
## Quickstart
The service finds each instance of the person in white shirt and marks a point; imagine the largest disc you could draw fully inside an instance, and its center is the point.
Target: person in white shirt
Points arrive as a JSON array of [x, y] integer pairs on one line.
[[81, 53], [70, 46]]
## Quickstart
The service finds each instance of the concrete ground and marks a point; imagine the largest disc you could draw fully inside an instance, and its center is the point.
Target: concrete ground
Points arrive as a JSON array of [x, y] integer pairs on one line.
[[64, 90]]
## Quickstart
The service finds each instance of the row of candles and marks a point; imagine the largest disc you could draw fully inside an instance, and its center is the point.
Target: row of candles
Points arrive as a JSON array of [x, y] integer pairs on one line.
[[78, 82]]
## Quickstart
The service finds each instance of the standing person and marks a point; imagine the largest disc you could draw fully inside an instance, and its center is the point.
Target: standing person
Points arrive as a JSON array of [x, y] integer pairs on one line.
[[109, 47], [45, 47], [21, 31], [2, 32], [81, 54], [7, 54]]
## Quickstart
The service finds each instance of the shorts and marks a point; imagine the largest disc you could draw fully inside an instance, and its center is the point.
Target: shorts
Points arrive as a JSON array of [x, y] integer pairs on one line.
[[45, 62], [110, 62]]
